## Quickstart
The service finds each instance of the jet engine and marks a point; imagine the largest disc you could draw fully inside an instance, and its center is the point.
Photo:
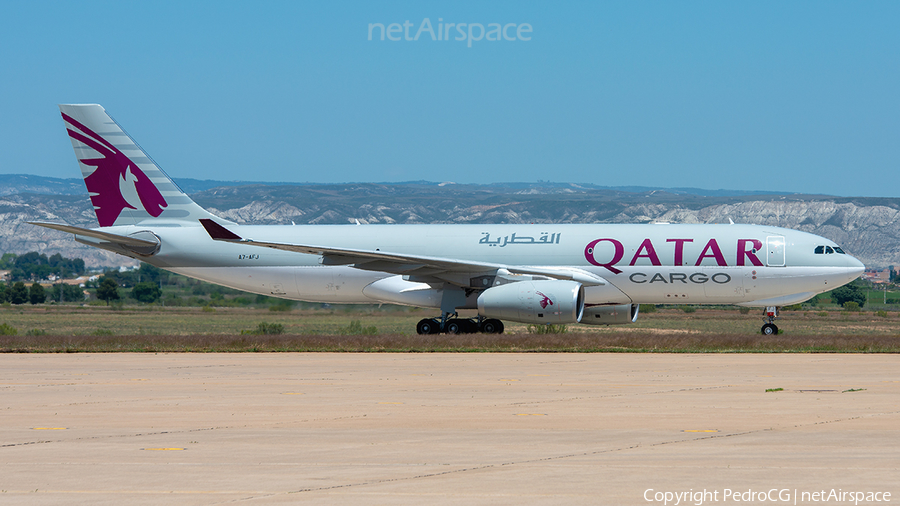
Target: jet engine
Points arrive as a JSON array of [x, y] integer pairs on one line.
[[610, 315], [550, 301]]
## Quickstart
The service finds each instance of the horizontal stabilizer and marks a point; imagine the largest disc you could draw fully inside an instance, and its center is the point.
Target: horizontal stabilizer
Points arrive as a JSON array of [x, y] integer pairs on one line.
[[96, 234]]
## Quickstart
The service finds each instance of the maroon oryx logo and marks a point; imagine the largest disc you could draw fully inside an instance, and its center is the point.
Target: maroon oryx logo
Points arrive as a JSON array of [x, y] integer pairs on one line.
[[118, 182], [545, 301]]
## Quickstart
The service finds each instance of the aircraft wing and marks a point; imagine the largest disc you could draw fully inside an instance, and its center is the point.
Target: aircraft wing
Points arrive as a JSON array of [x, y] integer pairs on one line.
[[401, 263]]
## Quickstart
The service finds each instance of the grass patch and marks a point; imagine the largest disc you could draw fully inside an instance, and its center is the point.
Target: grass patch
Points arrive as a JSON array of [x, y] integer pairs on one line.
[[547, 329], [851, 306], [265, 329], [356, 328], [366, 328], [779, 389], [519, 342]]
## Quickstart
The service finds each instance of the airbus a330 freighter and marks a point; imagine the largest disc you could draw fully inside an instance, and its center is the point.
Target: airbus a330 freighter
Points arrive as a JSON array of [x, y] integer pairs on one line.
[[593, 274]]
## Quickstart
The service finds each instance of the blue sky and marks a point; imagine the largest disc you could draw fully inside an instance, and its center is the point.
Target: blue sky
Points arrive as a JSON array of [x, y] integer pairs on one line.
[[775, 96]]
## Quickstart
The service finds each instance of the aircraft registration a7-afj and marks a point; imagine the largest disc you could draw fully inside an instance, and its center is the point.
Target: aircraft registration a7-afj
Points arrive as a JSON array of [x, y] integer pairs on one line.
[[594, 274]]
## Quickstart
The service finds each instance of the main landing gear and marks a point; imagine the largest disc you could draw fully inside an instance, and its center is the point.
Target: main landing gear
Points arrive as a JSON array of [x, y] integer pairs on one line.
[[456, 325], [770, 328]]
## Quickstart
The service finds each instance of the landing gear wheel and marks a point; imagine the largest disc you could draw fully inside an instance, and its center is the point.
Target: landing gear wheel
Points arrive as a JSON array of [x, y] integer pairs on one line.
[[455, 326], [769, 329], [428, 326], [492, 326]]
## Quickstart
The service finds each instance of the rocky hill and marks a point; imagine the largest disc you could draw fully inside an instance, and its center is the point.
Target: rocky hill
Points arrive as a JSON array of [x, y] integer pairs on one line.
[[866, 227]]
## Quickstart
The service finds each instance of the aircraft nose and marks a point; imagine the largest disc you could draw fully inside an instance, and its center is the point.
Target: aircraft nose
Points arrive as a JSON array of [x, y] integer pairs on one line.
[[855, 269]]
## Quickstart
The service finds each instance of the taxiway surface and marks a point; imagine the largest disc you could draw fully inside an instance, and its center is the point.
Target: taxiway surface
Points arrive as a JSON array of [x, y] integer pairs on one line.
[[444, 428]]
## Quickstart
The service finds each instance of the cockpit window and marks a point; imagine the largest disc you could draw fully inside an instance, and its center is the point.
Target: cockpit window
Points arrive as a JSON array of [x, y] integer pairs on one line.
[[827, 250]]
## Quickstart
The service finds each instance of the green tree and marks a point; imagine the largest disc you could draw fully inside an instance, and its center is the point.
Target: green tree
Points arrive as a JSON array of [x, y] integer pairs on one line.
[[37, 295], [66, 267], [125, 279], [152, 273], [18, 293], [849, 293], [7, 261], [66, 293], [31, 265], [108, 290], [4, 292], [36, 266], [146, 291]]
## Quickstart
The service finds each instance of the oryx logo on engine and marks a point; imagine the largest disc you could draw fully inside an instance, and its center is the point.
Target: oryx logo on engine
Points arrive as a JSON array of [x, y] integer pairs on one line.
[[545, 301]]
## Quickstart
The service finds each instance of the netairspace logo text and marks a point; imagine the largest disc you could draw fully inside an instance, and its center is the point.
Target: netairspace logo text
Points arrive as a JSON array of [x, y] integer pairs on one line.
[[468, 32], [771, 496]]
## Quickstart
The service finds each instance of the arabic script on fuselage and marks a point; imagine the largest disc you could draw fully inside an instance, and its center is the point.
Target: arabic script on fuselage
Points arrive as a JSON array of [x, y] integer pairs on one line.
[[515, 239]]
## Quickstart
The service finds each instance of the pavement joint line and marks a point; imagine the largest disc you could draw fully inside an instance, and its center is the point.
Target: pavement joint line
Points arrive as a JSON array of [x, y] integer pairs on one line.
[[140, 434], [116, 492], [121, 401], [186, 431], [859, 417], [713, 436], [488, 466], [183, 431], [609, 396]]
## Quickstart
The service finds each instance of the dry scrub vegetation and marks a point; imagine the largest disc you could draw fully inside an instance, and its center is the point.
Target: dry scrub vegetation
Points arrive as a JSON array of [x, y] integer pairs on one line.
[[368, 329]]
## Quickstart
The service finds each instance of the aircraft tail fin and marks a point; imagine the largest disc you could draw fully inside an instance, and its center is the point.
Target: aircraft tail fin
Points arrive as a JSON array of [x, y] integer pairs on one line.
[[125, 184]]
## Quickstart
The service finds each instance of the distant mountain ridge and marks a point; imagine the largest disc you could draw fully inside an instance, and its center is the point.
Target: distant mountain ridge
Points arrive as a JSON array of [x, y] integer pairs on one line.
[[11, 184], [869, 228]]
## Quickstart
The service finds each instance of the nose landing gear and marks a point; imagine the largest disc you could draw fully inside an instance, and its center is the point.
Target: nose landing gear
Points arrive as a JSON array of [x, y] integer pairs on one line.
[[770, 328]]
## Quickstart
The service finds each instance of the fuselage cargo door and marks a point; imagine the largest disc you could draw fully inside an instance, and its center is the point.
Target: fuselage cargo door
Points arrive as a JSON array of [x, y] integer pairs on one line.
[[775, 251]]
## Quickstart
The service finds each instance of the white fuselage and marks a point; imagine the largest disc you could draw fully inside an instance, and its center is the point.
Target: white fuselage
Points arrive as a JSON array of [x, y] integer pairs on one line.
[[652, 264]]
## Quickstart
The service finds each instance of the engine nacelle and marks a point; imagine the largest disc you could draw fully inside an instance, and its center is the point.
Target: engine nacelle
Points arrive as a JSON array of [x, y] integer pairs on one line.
[[551, 301], [610, 315]]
